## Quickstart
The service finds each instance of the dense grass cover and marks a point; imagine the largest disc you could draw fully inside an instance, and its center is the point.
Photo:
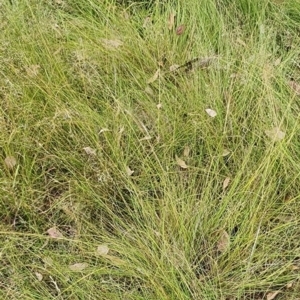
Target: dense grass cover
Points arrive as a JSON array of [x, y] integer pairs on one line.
[[150, 149]]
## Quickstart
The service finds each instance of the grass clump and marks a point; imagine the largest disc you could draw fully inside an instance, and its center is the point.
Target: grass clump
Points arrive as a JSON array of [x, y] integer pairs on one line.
[[117, 182]]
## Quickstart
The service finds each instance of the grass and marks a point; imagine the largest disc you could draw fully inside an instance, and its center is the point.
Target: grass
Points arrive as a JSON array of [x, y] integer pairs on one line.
[[78, 117]]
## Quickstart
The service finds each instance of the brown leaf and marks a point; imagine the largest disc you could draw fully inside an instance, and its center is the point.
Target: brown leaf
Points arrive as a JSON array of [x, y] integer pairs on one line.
[[277, 62], [226, 182], [89, 151], [174, 68], [275, 134], [146, 138], [126, 15], [149, 91], [225, 152], [272, 295], [102, 250], [10, 162], [78, 267], [171, 20], [212, 113], [48, 261], [181, 163], [147, 22], [32, 70], [103, 130], [112, 43], [39, 276], [224, 241], [294, 86], [115, 260], [129, 171], [180, 29], [186, 151], [154, 77], [54, 233], [241, 42]]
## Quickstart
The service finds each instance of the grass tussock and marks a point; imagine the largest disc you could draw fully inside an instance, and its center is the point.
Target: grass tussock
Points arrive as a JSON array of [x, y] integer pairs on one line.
[[117, 182]]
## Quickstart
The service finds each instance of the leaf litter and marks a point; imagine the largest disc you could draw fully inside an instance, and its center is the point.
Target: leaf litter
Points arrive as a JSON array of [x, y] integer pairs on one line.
[[171, 20], [89, 151], [275, 134], [225, 152], [112, 44], [181, 163], [10, 162], [180, 29], [102, 250], [39, 276], [272, 295], [54, 233], [295, 87], [154, 77], [224, 241], [212, 113], [78, 267], [226, 183], [186, 151], [129, 172]]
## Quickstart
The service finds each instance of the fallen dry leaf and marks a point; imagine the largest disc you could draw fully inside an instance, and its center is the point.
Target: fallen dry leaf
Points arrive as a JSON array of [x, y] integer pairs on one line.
[[146, 138], [48, 261], [174, 68], [212, 113], [275, 134], [294, 86], [10, 162], [102, 250], [181, 163], [115, 260], [154, 77], [186, 151], [241, 42], [277, 62], [120, 133], [103, 130], [89, 151], [180, 29], [112, 43], [159, 106], [224, 241], [272, 295], [78, 267], [149, 91], [289, 285], [171, 20], [55, 233], [147, 22], [125, 15], [225, 152], [226, 182], [39, 276], [32, 70], [129, 172]]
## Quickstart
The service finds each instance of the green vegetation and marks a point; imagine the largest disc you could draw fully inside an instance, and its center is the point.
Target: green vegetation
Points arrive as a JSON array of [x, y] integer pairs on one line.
[[143, 160]]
